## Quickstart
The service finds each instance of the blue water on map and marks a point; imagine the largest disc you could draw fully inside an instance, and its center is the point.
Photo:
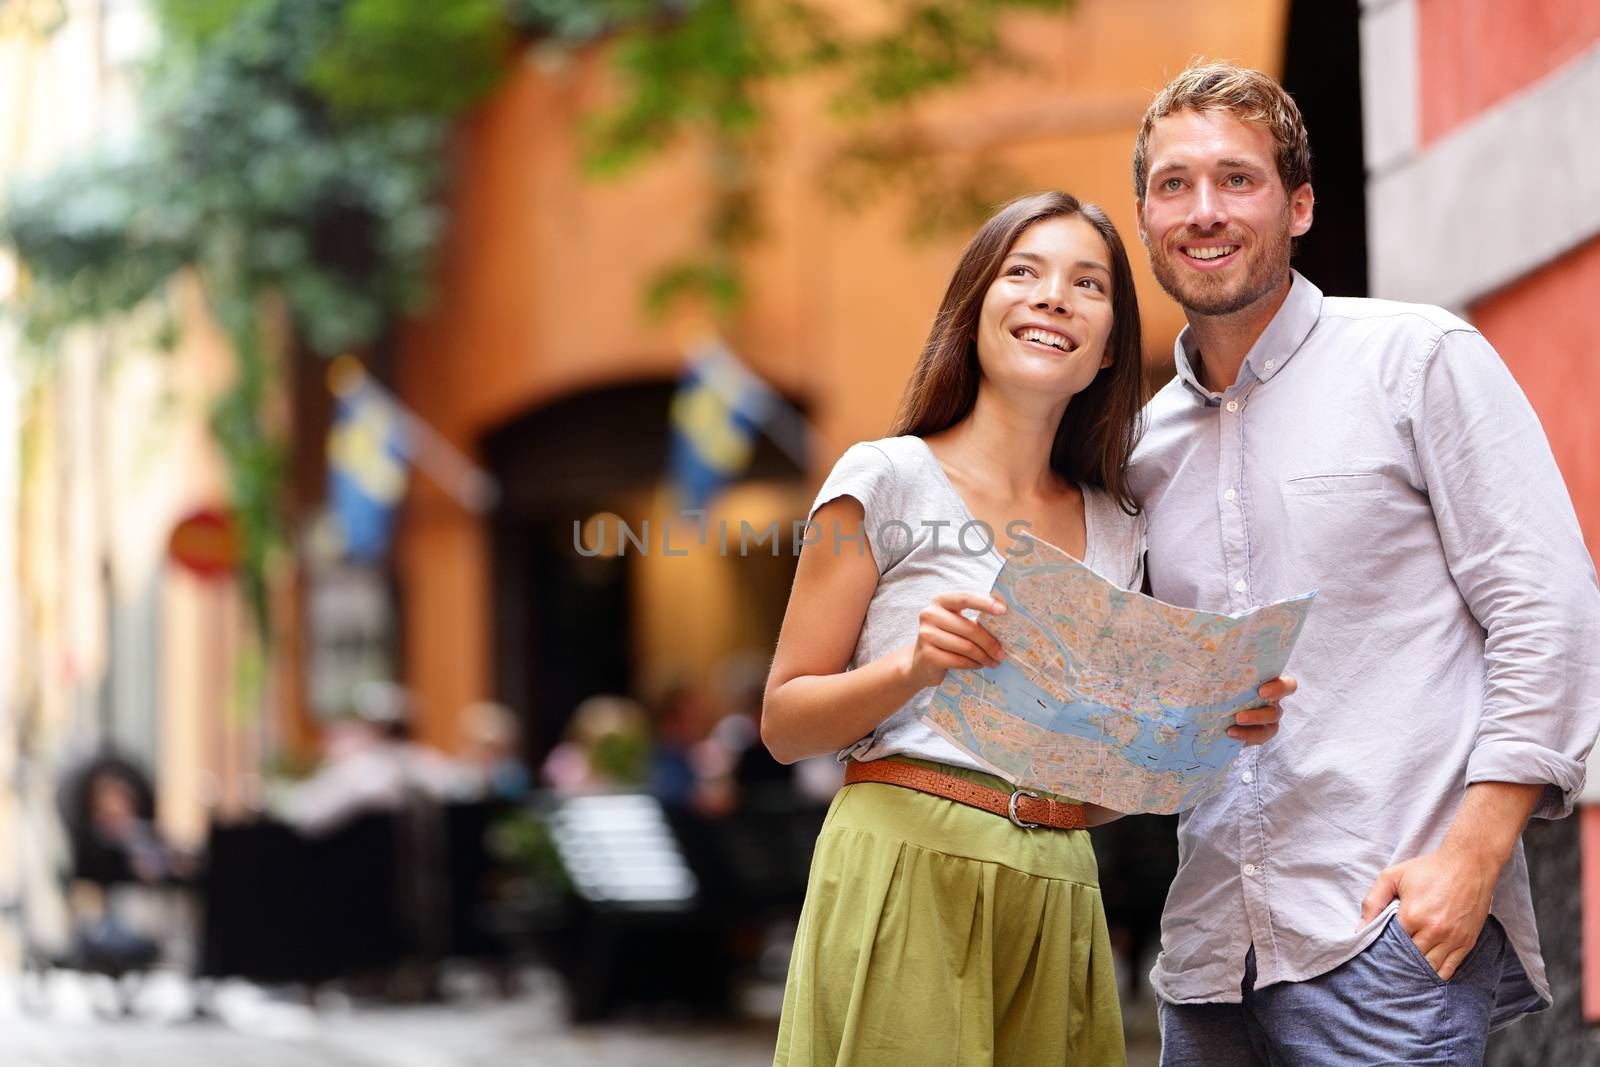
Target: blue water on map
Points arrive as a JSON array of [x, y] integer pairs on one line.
[[1182, 752], [1189, 742]]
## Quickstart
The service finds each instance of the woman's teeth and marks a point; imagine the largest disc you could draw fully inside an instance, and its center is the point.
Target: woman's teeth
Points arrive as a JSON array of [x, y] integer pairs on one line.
[[1045, 337]]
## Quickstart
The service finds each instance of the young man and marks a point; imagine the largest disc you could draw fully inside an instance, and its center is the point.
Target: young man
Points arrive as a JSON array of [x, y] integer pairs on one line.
[[1357, 894]]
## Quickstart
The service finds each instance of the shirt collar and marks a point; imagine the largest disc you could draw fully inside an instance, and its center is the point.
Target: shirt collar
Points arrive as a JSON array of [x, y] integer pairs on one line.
[[1278, 342]]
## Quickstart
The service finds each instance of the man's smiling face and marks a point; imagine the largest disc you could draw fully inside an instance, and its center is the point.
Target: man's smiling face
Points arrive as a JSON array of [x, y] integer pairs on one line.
[[1215, 216]]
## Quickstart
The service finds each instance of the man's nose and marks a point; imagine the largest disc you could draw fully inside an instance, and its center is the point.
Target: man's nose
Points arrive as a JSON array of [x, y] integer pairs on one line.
[[1206, 208]]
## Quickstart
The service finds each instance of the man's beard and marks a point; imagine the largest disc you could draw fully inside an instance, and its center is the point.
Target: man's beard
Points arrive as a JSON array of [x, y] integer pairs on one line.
[[1209, 293]]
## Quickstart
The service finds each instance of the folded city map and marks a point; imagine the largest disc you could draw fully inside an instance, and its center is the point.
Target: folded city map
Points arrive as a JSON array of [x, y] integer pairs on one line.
[[1109, 696]]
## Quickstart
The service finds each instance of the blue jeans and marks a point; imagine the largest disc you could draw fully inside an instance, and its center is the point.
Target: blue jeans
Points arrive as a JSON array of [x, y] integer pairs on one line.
[[1385, 1006]]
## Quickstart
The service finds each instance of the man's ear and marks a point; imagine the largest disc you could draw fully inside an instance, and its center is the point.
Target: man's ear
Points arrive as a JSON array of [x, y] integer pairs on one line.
[[1138, 214], [1302, 203]]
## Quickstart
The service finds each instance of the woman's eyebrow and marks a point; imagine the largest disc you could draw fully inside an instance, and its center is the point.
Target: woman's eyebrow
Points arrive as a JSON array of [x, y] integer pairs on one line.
[[1034, 257]]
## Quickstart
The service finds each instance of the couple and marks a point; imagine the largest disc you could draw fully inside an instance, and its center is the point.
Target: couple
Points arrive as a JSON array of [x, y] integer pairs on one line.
[[1357, 893]]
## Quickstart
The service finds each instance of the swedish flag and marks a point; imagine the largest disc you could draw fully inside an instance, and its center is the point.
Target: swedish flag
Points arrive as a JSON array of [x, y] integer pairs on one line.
[[369, 459], [716, 413]]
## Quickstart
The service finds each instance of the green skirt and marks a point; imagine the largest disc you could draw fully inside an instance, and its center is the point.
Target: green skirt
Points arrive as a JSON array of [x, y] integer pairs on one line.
[[937, 934]]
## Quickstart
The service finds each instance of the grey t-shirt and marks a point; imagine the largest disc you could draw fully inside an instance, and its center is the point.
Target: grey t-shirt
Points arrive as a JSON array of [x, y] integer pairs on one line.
[[925, 542]]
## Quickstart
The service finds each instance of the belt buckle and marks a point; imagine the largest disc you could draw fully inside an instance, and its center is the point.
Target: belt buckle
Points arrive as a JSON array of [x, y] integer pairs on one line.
[[1011, 809]]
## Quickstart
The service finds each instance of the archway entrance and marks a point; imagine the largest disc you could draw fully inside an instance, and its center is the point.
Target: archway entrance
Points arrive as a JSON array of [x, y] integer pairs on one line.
[[568, 625]]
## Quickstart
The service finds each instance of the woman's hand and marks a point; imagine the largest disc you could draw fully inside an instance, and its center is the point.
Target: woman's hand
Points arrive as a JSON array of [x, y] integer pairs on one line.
[[1255, 726], [948, 640]]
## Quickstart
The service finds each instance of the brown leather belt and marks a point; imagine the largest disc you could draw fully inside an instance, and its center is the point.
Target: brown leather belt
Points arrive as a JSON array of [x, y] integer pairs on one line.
[[1026, 809]]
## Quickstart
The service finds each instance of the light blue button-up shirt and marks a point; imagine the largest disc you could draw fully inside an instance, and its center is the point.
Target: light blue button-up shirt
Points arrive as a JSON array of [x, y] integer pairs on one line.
[[1382, 454]]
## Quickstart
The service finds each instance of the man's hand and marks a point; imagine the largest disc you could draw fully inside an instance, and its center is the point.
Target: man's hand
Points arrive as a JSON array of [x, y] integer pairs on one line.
[[1444, 902], [1445, 895], [1257, 726]]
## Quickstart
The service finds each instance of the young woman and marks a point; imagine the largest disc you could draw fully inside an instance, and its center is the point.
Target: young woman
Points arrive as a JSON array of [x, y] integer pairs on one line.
[[936, 930]]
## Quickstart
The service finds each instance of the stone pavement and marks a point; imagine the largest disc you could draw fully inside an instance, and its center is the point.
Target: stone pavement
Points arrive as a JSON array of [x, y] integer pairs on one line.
[[248, 1027], [260, 1031]]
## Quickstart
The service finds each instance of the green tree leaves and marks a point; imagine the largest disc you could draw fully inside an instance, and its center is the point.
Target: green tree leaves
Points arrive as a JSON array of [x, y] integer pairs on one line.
[[296, 150]]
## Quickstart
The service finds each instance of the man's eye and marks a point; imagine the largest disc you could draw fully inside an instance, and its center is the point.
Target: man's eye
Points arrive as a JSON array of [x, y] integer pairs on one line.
[[1238, 180], [1172, 185]]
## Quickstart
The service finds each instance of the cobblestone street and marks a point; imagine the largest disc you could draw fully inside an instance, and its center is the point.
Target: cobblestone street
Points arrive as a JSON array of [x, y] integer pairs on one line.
[[248, 1028], [256, 1031]]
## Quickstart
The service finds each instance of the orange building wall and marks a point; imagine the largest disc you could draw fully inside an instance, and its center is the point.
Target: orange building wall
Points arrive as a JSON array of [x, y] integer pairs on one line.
[[540, 286], [1544, 327]]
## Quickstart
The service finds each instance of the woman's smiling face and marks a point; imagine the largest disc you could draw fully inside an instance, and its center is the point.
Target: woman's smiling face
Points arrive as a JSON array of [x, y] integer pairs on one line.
[[1047, 315]]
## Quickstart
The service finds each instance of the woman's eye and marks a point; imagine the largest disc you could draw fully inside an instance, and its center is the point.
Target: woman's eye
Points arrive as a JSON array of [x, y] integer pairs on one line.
[[1093, 283], [1017, 272]]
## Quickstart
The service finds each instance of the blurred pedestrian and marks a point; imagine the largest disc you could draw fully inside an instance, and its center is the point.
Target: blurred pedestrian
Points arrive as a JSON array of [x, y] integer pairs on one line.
[[678, 720], [119, 862], [372, 763], [127, 835], [606, 746], [491, 750], [119, 841]]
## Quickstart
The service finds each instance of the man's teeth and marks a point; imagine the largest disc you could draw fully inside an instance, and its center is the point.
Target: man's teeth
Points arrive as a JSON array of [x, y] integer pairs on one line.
[[1211, 253], [1045, 337]]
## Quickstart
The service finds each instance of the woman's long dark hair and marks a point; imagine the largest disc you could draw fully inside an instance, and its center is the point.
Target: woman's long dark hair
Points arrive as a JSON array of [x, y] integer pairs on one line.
[[1101, 424]]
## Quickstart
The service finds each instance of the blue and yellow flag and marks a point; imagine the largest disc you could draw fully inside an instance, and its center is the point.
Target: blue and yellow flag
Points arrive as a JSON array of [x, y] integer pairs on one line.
[[716, 413], [369, 459]]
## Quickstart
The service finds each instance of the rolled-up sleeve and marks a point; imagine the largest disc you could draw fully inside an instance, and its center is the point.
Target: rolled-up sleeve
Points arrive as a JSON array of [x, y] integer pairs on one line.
[[1514, 547]]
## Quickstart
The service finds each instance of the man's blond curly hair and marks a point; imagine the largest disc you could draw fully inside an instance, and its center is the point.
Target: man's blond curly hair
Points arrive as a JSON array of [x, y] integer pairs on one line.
[[1249, 96]]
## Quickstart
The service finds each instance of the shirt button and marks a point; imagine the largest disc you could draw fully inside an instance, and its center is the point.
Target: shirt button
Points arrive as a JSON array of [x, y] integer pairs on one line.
[[1233, 405], [1250, 868], [1238, 587], [1247, 778], [1229, 495], [1271, 363]]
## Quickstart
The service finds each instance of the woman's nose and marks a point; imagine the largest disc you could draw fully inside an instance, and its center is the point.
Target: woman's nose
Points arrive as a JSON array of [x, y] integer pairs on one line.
[[1052, 296]]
